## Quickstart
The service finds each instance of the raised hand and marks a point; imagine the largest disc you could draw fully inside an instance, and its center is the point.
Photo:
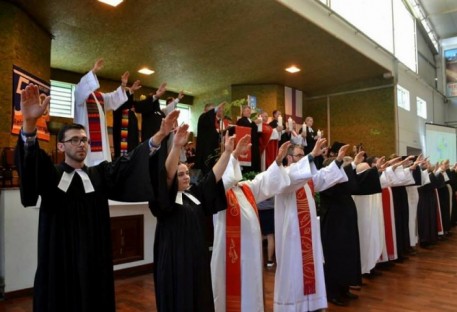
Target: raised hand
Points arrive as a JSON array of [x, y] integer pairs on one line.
[[243, 146], [168, 122], [98, 65], [180, 95], [317, 150], [161, 90], [135, 86], [229, 142], [359, 157], [282, 152], [181, 135], [125, 79], [33, 105], [342, 152]]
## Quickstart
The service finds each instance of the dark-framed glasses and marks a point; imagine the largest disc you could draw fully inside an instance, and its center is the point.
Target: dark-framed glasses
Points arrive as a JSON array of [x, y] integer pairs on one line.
[[299, 155], [76, 141]]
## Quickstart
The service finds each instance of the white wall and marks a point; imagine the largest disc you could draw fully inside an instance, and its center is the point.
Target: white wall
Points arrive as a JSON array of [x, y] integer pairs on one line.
[[411, 128], [18, 240]]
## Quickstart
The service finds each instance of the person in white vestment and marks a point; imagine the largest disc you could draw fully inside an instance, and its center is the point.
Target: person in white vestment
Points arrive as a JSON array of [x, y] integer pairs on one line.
[[249, 255], [90, 108], [291, 280]]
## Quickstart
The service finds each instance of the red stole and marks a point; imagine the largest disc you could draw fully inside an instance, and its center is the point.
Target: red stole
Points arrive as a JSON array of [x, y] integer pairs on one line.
[[388, 224], [233, 248], [439, 220], [95, 131], [267, 130], [306, 237], [124, 132]]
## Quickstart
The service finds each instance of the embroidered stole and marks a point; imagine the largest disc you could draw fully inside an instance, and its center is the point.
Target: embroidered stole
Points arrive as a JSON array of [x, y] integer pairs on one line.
[[306, 237], [233, 248], [93, 114], [124, 132]]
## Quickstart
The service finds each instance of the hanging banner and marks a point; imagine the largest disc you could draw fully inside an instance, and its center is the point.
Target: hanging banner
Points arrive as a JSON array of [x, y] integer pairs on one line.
[[21, 79], [450, 62]]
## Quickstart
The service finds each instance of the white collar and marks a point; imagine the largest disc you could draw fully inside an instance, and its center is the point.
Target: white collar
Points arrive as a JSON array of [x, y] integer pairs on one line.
[[178, 199], [66, 179]]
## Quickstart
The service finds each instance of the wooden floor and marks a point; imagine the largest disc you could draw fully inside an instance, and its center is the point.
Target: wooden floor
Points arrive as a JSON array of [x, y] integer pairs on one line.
[[424, 282]]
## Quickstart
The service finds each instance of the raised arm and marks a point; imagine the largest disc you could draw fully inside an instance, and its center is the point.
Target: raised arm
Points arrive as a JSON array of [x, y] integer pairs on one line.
[[33, 105], [241, 148], [171, 164]]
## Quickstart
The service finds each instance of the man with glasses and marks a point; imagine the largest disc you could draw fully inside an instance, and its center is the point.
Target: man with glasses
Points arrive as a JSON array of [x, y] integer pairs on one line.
[[299, 280], [75, 269]]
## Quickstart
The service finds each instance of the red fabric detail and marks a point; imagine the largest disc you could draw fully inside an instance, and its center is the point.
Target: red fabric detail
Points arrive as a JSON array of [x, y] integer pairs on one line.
[[386, 207], [95, 132], [306, 238], [233, 248]]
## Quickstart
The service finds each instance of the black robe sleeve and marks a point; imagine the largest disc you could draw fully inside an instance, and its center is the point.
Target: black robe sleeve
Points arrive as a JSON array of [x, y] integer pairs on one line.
[[207, 141], [368, 182], [36, 170]]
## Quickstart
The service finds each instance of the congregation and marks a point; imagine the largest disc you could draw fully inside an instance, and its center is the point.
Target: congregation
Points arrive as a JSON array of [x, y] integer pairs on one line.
[[334, 214]]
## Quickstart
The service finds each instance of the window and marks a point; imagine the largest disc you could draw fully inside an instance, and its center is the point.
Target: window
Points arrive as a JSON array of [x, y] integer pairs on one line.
[[421, 108], [185, 112], [405, 36], [403, 98], [62, 99]]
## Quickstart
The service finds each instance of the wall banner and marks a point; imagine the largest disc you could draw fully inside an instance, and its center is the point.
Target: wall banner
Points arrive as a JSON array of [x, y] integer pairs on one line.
[[21, 79]]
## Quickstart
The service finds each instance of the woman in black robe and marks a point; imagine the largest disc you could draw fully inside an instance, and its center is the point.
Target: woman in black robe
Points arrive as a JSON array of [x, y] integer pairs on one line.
[[182, 272], [340, 234], [75, 268], [426, 212]]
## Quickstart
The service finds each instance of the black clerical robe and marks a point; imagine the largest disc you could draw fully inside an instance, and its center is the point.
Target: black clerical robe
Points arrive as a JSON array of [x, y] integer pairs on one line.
[[427, 206], [182, 273], [340, 234], [75, 269], [255, 151], [208, 140]]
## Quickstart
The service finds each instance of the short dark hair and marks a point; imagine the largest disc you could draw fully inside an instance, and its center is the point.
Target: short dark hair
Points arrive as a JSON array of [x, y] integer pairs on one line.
[[274, 112], [66, 127]]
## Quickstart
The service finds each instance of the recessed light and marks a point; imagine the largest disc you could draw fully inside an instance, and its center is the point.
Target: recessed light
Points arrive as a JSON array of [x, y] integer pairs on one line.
[[146, 71], [293, 69], [113, 3]]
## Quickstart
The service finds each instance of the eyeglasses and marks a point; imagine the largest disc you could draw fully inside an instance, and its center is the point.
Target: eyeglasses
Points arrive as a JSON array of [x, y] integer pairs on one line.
[[298, 155], [76, 141]]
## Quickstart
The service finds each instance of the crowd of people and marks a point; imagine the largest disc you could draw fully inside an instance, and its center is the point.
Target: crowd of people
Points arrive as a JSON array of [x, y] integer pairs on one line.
[[371, 210]]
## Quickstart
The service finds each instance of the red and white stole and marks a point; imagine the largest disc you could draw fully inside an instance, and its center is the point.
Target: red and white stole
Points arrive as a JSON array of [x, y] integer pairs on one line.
[[306, 237], [124, 132], [389, 224], [233, 248], [93, 114]]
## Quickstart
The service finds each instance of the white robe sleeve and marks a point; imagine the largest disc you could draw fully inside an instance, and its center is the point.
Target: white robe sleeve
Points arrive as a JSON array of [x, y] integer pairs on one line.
[[269, 183], [88, 84], [425, 178], [170, 107], [113, 100], [409, 176], [328, 177], [232, 174]]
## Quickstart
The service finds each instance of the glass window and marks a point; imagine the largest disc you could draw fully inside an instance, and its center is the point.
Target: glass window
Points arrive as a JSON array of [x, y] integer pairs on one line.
[[421, 108], [405, 36], [184, 115], [403, 98], [62, 99]]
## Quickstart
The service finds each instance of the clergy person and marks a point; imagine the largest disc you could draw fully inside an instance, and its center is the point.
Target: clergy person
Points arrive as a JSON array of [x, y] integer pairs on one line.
[[236, 263], [268, 142], [245, 121], [90, 108], [75, 268], [299, 280], [182, 274]]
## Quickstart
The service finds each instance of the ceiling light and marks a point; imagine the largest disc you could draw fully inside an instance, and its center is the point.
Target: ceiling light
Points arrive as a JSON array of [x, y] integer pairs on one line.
[[293, 69], [113, 3], [146, 71]]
